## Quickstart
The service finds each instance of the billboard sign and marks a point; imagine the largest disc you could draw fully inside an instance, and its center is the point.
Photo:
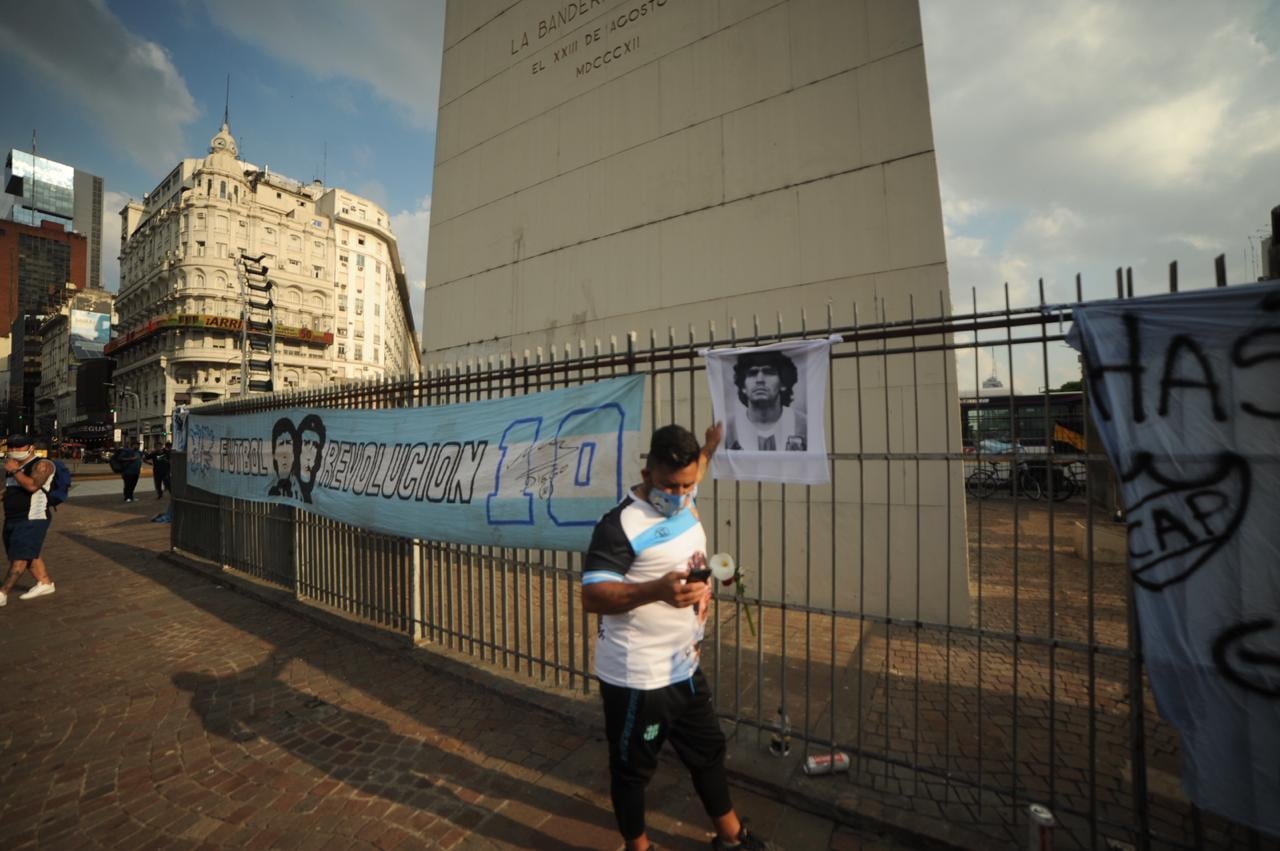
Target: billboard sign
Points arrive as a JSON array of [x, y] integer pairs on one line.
[[91, 327]]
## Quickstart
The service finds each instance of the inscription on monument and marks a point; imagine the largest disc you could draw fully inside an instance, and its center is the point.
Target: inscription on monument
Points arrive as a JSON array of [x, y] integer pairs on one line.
[[588, 48]]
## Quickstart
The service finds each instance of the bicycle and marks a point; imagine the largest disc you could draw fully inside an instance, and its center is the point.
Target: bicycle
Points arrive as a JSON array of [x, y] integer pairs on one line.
[[989, 478]]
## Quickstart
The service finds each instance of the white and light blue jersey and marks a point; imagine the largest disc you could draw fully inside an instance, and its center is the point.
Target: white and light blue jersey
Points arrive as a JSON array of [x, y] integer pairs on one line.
[[654, 645]]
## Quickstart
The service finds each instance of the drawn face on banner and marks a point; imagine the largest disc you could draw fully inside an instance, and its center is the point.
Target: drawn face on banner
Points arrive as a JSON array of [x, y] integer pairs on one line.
[[284, 454], [311, 434]]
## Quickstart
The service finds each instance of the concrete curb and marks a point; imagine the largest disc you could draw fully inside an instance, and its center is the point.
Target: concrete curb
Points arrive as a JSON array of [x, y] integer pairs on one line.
[[581, 710]]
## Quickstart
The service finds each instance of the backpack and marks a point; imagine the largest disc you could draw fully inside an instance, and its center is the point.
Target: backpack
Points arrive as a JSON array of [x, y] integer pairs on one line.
[[59, 484]]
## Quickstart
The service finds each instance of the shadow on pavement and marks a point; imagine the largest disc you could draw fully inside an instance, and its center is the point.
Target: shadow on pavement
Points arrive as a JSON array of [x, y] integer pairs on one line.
[[363, 752]]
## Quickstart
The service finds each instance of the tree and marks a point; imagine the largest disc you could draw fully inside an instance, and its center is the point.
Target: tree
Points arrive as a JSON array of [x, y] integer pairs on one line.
[[1072, 385]]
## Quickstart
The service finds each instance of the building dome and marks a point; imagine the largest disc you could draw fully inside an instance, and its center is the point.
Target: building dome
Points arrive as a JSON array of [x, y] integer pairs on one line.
[[223, 143]]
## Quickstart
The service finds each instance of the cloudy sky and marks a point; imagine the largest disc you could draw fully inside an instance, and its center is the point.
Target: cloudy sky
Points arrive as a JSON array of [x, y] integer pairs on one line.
[[1071, 137]]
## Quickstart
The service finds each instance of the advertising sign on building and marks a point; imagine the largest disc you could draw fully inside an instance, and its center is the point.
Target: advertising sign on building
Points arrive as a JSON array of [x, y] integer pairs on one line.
[[90, 327]]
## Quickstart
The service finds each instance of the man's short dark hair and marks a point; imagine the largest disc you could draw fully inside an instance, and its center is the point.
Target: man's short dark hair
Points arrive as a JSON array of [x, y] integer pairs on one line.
[[672, 447], [784, 366], [284, 425]]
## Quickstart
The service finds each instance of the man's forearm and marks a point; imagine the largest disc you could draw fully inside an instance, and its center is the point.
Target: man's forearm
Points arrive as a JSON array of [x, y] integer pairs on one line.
[[614, 598]]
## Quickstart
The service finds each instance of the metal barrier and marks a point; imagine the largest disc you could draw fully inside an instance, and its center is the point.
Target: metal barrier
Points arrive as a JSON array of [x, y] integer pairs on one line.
[[971, 655]]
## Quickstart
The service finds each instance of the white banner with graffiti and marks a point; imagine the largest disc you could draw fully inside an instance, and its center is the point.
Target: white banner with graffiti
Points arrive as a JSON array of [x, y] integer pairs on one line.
[[1185, 392], [532, 471]]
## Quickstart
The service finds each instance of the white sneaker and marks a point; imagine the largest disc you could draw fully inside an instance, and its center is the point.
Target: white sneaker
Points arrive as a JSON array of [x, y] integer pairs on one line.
[[40, 589], [4, 599]]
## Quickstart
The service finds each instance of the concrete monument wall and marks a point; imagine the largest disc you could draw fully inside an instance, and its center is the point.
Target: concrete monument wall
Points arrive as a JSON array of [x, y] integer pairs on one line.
[[606, 166]]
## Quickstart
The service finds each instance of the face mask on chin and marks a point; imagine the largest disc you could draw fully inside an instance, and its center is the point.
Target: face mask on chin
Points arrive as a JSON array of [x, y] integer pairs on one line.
[[669, 504]]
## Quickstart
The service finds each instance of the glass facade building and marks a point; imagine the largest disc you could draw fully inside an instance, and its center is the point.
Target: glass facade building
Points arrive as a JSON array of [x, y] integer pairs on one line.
[[38, 190]]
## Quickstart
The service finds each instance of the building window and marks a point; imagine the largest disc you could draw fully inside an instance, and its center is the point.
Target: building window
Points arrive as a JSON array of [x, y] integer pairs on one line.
[[317, 272], [269, 236], [220, 223], [359, 240], [359, 261], [342, 302], [342, 350], [359, 352], [342, 258], [222, 189], [359, 307], [377, 308], [222, 249], [199, 248], [199, 220], [345, 232]]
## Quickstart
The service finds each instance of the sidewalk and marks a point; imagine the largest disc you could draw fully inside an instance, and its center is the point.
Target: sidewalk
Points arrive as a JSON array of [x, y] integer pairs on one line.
[[146, 706]]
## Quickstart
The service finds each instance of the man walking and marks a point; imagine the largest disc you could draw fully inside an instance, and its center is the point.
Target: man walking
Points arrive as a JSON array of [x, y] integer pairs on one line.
[[159, 461], [637, 577], [26, 517], [128, 463]]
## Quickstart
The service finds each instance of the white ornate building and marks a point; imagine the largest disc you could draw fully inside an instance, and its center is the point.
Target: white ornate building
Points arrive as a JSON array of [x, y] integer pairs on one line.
[[342, 303]]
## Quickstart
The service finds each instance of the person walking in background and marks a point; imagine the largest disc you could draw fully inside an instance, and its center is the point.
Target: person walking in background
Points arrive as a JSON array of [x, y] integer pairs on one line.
[[26, 516], [159, 461], [128, 463]]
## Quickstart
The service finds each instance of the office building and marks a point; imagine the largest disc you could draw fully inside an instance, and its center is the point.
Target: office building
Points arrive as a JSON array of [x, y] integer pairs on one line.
[[38, 190]]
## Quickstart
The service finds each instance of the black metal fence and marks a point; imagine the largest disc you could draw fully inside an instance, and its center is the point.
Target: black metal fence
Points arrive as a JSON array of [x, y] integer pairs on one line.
[[971, 654]]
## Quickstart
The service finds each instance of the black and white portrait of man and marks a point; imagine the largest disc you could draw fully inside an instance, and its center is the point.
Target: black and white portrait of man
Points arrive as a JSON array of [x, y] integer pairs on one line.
[[768, 418], [772, 400]]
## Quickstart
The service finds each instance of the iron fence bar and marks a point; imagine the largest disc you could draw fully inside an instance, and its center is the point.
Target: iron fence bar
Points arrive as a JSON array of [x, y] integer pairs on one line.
[[1051, 475], [759, 581], [943, 303], [888, 539], [978, 443], [862, 561], [1017, 517], [915, 407]]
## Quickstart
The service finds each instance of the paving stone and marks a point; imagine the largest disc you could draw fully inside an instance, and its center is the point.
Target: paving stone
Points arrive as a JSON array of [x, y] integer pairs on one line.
[[207, 718]]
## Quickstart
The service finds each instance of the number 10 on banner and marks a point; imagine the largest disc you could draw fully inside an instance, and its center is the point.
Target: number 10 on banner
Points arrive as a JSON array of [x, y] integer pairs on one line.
[[569, 473]]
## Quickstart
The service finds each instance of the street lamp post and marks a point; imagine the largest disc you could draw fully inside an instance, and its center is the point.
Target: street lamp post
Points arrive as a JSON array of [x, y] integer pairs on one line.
[[137, 410]]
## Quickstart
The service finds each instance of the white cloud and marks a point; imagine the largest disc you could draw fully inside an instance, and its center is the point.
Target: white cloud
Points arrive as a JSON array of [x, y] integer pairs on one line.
[[112, 202], [1085, 136], [127, 85], [393, 45], [411, 228]]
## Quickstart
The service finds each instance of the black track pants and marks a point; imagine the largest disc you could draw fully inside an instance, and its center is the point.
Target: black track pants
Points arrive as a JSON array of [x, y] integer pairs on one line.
[[638, 722]]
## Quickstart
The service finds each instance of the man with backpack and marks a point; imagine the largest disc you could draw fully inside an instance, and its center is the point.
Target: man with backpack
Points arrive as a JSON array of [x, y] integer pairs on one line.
[[27, 510]]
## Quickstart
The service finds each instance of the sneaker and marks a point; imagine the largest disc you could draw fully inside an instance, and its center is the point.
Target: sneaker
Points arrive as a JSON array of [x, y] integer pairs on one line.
[[746, 842], [40, 589], [4, 599]]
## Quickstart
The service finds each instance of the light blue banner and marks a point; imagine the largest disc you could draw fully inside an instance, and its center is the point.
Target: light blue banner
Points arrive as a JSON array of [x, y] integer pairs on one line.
[[532, 471]]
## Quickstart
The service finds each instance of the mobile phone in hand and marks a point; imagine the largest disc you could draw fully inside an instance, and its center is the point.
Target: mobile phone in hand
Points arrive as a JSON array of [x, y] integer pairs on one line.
[[699, 575]]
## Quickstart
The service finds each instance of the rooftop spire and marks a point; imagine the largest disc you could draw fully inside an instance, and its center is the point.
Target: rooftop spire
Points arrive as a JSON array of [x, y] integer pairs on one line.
[[226, 104]]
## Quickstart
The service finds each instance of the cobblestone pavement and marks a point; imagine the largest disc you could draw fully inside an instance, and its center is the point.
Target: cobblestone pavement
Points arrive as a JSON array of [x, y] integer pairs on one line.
[[146, 707]]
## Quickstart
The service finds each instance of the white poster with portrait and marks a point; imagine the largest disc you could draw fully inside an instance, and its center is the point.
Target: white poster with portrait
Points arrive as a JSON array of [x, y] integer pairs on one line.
[[772, 401]]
